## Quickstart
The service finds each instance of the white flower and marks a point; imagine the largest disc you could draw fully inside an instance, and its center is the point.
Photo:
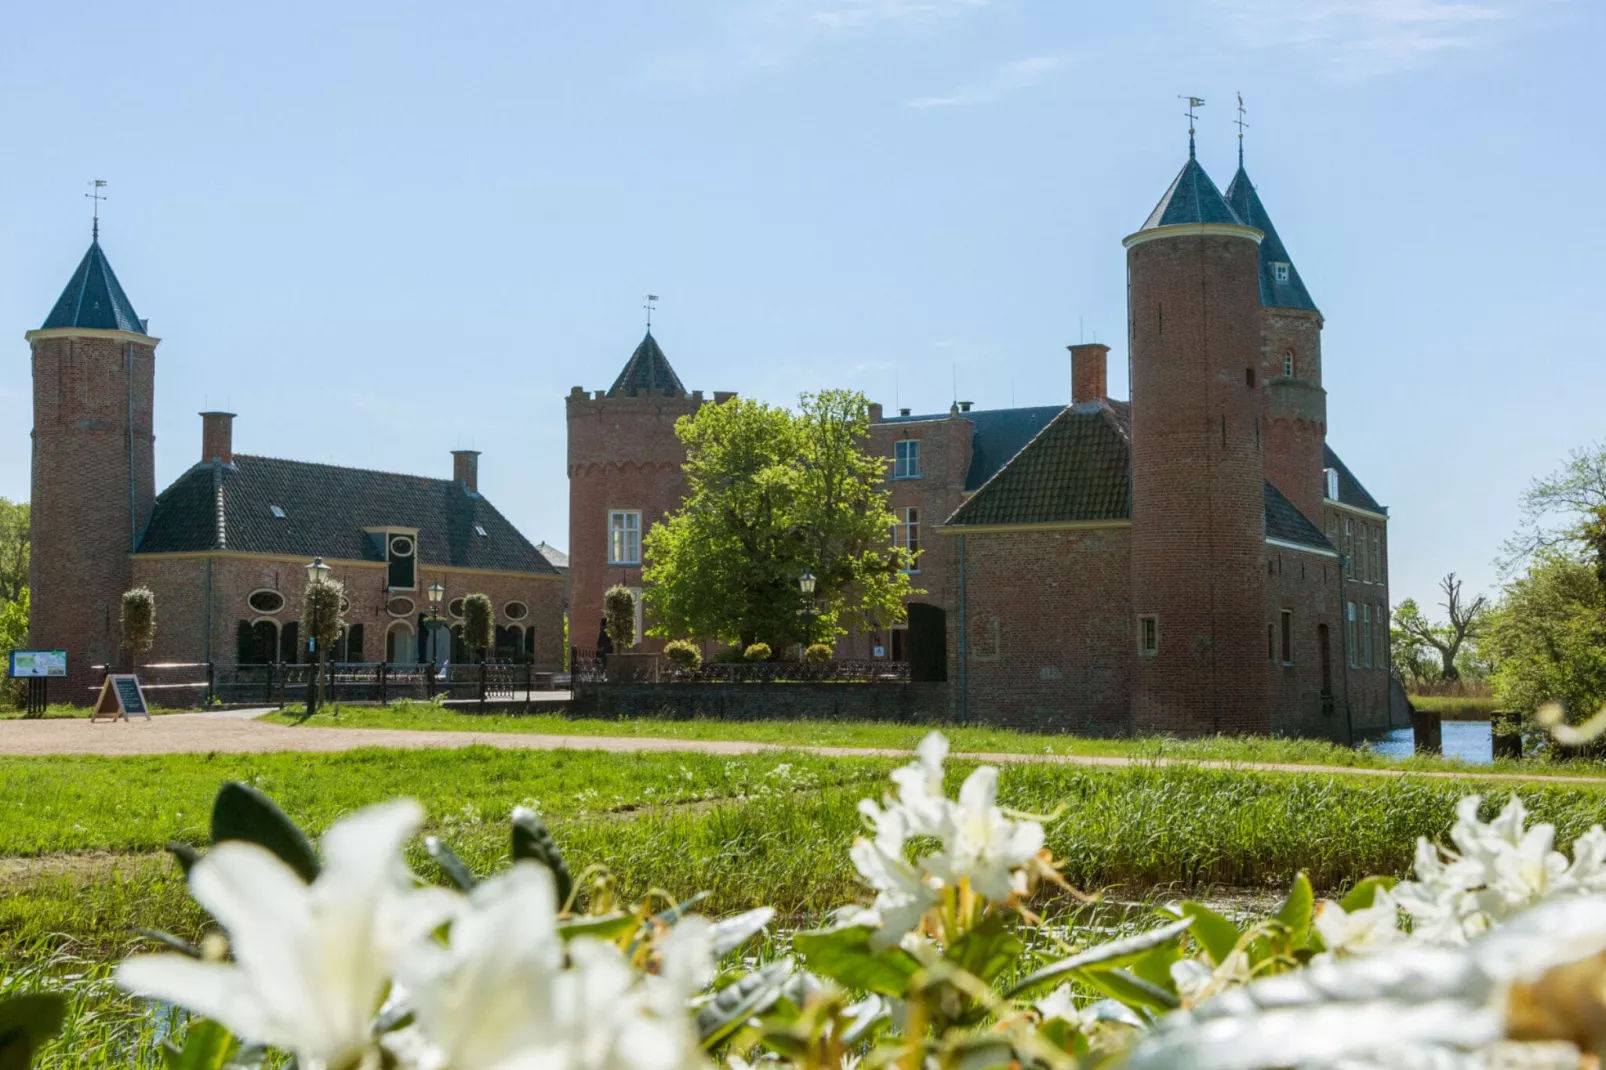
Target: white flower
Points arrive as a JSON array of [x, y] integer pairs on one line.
[[980, 844], [902, 892], [920, 795], [1361, 931], [312, 962]]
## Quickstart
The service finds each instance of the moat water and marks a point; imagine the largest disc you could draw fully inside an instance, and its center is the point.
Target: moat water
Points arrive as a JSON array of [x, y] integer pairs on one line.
[[1468, 740]]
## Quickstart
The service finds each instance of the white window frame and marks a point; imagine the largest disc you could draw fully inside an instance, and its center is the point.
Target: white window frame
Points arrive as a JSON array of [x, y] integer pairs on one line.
[[1288, 364], [906, 458], [1366, 630], [1332, 484], [1280, 270], [906, 535], [1349, 632], [1147, 649], [624, 537], [1377, 553]]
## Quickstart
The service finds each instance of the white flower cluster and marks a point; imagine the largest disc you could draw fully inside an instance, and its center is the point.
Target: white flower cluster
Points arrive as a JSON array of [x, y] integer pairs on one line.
[[978, 844], [1497, 869], [313, 964]]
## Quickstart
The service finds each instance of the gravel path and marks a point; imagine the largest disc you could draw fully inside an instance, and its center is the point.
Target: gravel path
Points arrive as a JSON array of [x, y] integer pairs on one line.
[[235, 733]]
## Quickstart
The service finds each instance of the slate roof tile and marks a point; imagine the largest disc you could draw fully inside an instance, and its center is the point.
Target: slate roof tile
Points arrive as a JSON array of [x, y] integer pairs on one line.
[[647, 372], [94, 299], [1286, 523], [1075, 469], [1245, 202], [1350, 491], [1192, 198], [326, 508]]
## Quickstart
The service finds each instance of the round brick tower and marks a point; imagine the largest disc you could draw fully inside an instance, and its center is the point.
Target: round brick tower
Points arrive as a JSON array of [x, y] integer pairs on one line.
[[624, 474], [1198, 504], [1291, 362], [94, 470]]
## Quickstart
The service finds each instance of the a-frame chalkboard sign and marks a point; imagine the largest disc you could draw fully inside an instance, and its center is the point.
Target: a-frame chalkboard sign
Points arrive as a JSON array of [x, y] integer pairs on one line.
[[120, 699]]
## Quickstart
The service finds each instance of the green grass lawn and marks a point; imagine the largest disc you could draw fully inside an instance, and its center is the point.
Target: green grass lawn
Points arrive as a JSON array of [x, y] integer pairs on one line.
[[60, 710], [1457, 707], [434, 717]]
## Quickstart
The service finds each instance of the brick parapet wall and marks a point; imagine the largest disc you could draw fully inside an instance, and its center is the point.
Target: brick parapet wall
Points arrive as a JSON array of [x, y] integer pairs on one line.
[[82, 519], [905, 703]]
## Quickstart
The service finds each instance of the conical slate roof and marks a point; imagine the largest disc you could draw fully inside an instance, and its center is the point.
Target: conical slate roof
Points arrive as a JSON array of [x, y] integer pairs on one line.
[[94, 299], [1289, 293], [1192, 198], [647, 372]]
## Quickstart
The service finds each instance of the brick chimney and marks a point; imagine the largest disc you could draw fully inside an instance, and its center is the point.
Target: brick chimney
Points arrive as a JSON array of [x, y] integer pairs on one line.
[[1089, 372], [217, 437], [466, 469]]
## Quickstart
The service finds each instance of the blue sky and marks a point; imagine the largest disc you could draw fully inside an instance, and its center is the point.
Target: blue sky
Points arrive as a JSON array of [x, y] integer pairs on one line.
[[381, 231]]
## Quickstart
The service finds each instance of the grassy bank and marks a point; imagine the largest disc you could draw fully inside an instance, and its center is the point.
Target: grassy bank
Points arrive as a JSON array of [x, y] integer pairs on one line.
[[1457, 707], [904, 737]]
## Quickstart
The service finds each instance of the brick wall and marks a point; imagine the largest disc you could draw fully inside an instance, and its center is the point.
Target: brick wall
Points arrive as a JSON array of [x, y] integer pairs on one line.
[[907, 703], [1295, 406], [182, 582], [623, 454], [83, 521], [1198, 512], [1306, 584], [1047, 627]]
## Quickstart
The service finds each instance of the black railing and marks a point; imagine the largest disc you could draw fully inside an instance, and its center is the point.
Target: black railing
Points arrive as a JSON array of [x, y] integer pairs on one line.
[[168, 684]]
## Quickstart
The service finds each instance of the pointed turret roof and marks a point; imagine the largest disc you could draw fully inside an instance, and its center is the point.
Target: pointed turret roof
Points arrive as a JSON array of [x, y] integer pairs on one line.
[[94, 299], [1290, 292], [1192, 198], [648, 372]]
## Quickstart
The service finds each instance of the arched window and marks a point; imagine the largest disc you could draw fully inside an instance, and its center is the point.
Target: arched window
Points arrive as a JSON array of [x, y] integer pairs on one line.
[[1288, 364]]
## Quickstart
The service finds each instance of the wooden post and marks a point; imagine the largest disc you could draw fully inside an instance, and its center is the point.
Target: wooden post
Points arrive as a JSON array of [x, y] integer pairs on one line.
[[211, 683], [1505, 734], [1427, 732], [482, 683]]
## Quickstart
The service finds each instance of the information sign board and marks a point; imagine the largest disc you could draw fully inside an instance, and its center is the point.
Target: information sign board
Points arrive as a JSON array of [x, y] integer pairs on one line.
[[38, 663], [120, 698]]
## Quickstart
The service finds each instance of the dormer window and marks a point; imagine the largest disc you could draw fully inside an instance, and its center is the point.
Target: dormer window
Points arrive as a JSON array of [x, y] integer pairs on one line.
[[277, 510], [1279, 271], [402, 560], [1332, 484]]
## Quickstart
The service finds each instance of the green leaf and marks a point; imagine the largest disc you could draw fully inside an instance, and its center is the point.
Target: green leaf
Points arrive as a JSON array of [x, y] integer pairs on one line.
[[732, 933], [207, 1046], [531, 840], [1360, 897], [1155, 966], [844, 955], [987, 950], [734, 1004], [608, 927], [1107, 956], [1218, 936], [454, 867], [185, 855], [1295, 912], [26, 1024], [1130, 990], [680, 910], [241, 812]]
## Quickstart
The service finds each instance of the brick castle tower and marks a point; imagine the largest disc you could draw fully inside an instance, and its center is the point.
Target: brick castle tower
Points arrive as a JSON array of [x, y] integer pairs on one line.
[[1290, 361], [94, 469], [1198, 486], [624, 474]]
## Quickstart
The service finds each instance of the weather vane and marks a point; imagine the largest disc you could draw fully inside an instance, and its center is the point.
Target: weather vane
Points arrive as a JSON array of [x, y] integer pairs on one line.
[[97, 196], [652, 300], [1193, 103], [1242, 126]]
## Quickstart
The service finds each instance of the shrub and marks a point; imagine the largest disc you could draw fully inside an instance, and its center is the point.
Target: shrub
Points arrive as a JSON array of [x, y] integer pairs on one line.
[[619, 610], [320, 614], [138, 621], [817, 652], [683, 652], [477, 622], [757, 652]]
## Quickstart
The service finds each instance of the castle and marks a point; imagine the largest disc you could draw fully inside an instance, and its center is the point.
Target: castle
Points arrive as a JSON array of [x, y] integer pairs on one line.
[[225, 548], [1194, 560]]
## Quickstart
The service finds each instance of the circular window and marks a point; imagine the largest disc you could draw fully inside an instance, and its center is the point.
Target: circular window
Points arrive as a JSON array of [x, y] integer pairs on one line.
[[515, 611], [401, 546], [345, 605], [266, 601], [400, 607], [455, 607]]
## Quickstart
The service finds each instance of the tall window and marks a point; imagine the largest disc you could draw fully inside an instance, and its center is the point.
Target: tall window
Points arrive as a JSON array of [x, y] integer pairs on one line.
[[1332, 483], [1288, 364], [907, 535], [1377, 554], [1148, 636], [1288, 637], [1349, 633], [906, 459], [401, 553], [1349, 548], [1366, 632], [624, 537], [1380, 621], [1361, 569]]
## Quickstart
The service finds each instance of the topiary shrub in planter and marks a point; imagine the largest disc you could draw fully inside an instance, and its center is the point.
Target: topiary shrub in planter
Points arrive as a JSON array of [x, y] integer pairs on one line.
[[683, 653], [138, 620], [817, 652], [478, 622], [619, 610], [757, 652]]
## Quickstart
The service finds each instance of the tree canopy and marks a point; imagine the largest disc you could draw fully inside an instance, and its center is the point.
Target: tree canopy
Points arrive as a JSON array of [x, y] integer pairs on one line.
[[13, 550], [1549, 637], [772, 495], [1413, 634]]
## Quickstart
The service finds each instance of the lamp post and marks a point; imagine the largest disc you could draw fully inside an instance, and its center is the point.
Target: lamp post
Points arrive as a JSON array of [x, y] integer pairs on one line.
[[436, 592], [317, 572], [805, 584]]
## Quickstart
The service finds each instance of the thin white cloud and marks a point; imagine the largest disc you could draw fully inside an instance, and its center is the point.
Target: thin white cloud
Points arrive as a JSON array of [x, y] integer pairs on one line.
[[1004, 81], [752, 38], [1356, 39]]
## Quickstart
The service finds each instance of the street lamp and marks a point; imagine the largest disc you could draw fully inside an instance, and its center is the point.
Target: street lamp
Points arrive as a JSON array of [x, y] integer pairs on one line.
[[436, 592], [317, 571], [805, 584]]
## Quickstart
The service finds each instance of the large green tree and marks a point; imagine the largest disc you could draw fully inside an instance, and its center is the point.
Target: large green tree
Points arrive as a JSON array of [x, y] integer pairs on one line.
[[13, 549], [772, 495], [1548, 637]]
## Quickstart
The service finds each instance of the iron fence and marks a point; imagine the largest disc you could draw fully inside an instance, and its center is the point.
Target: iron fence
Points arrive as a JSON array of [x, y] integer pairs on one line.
[[588, 667]]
